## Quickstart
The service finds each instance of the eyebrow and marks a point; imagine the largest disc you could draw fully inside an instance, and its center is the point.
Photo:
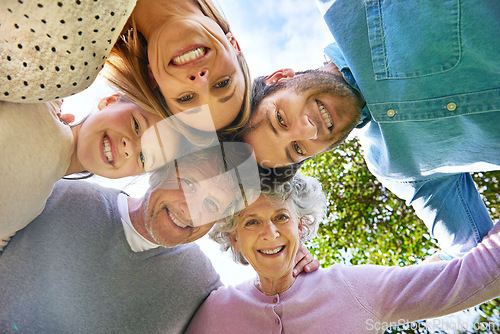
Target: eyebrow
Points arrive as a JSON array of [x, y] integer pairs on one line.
[[146, 120], [227, 98], [270, 122], [289, 156], [287, 150], [251, 215]]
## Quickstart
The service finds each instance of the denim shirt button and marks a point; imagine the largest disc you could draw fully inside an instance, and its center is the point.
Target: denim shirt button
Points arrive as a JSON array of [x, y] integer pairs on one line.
[[451, 106], [391, 112]]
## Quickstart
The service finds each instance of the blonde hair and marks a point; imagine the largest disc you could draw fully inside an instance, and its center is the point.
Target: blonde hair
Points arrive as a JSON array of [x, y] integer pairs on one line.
[[127, 70]]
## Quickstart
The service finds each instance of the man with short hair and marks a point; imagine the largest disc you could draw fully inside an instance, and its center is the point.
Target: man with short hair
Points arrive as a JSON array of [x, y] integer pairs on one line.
[[95, 260], [429, 79]]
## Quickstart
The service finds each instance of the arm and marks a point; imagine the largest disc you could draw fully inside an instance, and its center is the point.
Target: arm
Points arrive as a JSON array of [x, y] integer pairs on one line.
[[405, 294], [450, 207]]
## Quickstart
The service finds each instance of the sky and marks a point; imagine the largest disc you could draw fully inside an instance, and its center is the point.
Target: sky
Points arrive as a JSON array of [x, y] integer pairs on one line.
[[273, 35]]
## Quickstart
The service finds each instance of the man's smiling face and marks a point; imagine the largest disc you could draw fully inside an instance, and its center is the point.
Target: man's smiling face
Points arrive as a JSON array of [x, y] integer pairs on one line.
[[310, 114]]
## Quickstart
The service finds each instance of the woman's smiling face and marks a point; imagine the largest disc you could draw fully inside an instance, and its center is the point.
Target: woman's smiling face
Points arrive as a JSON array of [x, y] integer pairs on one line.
[[268, 236], [195, 63]]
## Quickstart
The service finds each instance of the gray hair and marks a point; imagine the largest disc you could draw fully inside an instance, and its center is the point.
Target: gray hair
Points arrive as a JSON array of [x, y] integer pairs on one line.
[[306, 199], [233, 162]]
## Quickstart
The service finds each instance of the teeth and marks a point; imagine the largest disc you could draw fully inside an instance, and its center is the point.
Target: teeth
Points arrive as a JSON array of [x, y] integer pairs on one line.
[[107, 150], [176, 221], [189, 56], [273, 251], [325, 114]]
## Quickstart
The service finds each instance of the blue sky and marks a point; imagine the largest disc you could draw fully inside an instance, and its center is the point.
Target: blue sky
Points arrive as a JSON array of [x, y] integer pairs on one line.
[[278, 33]]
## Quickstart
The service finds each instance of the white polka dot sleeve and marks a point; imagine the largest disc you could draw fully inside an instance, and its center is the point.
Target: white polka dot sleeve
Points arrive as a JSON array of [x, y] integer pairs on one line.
[[51, 49]]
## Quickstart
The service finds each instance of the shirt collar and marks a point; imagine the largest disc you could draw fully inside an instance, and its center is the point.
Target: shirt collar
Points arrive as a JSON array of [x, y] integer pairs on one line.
[[333, 52]]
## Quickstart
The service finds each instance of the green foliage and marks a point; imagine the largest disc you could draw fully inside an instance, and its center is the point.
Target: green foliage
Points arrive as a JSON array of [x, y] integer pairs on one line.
[[366, 223]]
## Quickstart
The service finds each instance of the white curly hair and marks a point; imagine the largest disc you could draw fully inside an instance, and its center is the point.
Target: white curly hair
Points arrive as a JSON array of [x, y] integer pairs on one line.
[[306, 199]]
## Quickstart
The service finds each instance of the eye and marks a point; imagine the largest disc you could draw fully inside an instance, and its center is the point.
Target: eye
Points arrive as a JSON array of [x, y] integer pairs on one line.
[[297, 148], [251, 222], [185, 98], [280, 119], [137, 127], [223, 83], [282, 217], [210, 206], [143, 159], [187, 185]]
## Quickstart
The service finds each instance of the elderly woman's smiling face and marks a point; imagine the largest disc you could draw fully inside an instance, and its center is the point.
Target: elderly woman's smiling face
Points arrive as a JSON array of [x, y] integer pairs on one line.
[[268, 236]]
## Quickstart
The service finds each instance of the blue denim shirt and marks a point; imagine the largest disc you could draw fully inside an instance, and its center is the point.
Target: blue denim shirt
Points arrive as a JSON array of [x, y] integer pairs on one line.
[[430, 74]]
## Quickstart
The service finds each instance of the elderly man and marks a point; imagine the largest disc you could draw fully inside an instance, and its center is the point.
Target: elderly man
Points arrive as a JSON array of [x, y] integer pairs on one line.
[[429, 79], [95, 260]]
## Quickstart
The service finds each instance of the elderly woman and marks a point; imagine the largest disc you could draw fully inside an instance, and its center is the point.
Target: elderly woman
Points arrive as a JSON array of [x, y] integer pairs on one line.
[[340, 299]]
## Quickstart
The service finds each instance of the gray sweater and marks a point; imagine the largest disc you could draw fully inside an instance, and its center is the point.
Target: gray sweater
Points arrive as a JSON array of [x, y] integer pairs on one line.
[[72, 271]]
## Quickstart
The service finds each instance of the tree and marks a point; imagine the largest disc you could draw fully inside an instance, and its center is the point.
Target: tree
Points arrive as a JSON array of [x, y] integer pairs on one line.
[[366, 223]]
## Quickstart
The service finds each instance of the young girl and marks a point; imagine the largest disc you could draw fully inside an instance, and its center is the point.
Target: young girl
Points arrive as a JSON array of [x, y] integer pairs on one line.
[[37, 149]]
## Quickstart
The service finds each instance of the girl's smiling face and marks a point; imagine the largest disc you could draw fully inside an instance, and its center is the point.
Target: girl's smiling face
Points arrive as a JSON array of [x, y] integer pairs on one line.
[[108, 142]]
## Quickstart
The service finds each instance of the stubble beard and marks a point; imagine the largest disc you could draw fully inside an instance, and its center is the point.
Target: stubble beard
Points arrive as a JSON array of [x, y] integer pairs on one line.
[[317, 82]]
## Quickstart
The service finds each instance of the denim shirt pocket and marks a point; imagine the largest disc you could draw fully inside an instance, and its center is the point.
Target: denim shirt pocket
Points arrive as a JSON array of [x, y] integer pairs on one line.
[[408, 43]]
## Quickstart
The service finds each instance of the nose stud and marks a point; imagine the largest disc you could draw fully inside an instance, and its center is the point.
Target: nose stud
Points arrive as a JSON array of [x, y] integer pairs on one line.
[[200, 74]]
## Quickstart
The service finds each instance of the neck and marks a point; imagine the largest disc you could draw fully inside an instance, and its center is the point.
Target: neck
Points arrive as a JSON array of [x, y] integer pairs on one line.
[[75, 166], [151, 14], [271, 287]]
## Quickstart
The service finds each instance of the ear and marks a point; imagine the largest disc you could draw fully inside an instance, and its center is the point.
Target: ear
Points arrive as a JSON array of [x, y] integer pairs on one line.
[[152, 80], [234, 241], [105, 102], [233, 42], [280, 75], [300, 227]]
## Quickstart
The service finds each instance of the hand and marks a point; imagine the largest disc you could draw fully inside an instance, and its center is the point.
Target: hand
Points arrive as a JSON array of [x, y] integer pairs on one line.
[[66, 118], [304, 261]]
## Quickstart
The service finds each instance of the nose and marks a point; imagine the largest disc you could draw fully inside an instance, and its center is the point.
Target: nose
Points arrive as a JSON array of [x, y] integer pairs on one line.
[[303, 128], [269, 231], [190, 206], [200, 78], [183, 208], [128, 147], [183, 211]]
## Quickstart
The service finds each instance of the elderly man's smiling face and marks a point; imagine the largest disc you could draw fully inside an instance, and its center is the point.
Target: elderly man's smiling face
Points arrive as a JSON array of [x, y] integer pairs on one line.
[[310, 114], [186, 197], [188, 204]]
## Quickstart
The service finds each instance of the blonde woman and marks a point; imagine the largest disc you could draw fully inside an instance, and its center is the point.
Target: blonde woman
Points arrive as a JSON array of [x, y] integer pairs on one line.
[[171, 55]]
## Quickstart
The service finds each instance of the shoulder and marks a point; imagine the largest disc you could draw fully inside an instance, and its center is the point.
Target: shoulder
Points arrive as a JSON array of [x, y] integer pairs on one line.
[[225, 308], [39, 119], [83, 197], [185, 264], [53, 49]]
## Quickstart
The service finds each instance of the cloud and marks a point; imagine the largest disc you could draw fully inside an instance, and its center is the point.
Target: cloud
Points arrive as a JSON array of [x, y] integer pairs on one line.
[[279, 33]]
